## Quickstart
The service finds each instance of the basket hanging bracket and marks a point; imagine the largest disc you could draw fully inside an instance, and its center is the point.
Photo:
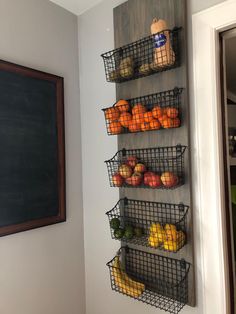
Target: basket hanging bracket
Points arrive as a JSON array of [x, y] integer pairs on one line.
[[183, 263], [125, 201], [176, 91], [179, 148]]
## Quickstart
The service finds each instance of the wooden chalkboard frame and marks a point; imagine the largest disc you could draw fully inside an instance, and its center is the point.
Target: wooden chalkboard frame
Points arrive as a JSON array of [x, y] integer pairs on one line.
[[59, 90]]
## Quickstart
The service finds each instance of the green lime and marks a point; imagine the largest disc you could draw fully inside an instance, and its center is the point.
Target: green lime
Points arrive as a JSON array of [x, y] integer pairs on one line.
[[119, 233], [129, 228], [138, 232], [129, 233], [115, 223]]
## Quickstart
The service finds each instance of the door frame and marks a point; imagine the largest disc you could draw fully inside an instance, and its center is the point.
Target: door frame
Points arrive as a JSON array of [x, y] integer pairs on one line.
[[227, 180], [207, 155]]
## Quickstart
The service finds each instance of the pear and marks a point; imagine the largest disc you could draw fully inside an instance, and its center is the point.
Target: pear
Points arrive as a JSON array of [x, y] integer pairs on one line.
[[114, 75], [126, 72], [144, 68], [126, 67], [126, 62]]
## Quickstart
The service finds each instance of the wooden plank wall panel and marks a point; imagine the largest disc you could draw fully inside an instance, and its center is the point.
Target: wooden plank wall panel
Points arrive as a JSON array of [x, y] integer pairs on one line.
[[132, 21]]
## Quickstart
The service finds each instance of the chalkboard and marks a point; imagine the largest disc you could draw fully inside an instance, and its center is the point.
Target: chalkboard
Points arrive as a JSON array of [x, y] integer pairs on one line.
[[32, 159]]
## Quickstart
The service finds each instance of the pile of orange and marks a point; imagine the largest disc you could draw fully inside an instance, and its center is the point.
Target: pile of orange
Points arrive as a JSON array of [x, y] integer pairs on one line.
[[138, 118]]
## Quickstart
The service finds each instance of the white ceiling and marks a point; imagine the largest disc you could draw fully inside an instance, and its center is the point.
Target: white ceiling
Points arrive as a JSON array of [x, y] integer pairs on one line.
[[76, 6]]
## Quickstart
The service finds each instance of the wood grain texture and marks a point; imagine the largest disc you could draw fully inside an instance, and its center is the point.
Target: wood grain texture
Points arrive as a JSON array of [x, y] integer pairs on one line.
[[132, 21]]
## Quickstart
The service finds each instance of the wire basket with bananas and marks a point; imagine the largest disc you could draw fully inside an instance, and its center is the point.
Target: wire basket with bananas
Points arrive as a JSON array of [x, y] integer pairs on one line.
[[153, 279]]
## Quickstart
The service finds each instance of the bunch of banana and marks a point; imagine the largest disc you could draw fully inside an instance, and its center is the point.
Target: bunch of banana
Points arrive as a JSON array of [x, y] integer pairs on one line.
[[157, 235], [174, 239], [124, 282], [168, 237]]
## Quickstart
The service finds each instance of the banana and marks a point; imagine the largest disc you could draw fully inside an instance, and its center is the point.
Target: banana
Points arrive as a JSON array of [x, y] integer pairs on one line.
[[171, 232], [153, 240], [157, 235], [174, 246], [126, 284], [127, 279], [124, 287]]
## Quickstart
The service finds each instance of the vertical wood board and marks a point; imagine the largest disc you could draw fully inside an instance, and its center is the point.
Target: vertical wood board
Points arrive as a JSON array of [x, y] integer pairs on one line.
[[132, 21]]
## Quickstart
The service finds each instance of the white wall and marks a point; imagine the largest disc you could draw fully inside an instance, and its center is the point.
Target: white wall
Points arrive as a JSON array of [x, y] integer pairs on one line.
[[95, 37], [199, 5], [42, 271]]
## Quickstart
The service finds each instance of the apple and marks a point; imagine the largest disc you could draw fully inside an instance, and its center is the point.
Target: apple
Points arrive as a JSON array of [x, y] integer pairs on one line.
[[176, 180], [117, 180], [125, 171], [135, 179], [131, 161], [168, 179], [140, 168], [128, 180], [147, 176], [155, 181]]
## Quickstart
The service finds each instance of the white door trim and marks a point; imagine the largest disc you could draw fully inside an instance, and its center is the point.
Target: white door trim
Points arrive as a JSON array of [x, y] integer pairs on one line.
[[207, 154]]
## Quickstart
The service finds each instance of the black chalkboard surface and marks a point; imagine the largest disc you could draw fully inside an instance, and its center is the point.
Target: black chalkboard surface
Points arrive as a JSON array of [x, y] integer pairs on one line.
[[32, 165]]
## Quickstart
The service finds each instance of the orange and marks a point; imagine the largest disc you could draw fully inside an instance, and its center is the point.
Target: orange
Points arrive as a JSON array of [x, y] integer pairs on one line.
[[162, 118], [112, 114], [138, 118], [145, 126], [122, 105], [125, 119], [134, 126], [115, 127], [148, 117], [172, 112], [175, 123], [157, 112], [167, 123], [138, 108], [155, 125], [164, 111]]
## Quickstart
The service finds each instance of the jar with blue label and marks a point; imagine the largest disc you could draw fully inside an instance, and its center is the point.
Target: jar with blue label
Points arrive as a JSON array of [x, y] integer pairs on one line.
[[160, 40]]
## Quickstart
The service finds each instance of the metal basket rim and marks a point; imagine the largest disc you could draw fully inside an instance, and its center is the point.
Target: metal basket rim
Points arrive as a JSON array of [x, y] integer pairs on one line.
[[179, 91], [183, 148], [186, 207], [113, 51], [109, 264]]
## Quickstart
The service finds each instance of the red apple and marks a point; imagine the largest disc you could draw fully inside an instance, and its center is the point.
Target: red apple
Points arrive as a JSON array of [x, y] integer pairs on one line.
[[117, 180], [176, 180], [135, 179], [155, 181], [168, 179], [131, 161], [140, 168], [147, 176], [125, 171]]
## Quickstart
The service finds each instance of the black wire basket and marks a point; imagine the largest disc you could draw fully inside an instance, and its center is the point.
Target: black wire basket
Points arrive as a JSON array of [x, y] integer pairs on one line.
[[144, 57], [150, 224], [153, 279], [146, 113], [157, 168]]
